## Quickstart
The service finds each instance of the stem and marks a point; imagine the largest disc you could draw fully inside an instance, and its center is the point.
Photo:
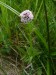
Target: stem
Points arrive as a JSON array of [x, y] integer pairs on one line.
[[10, 8]]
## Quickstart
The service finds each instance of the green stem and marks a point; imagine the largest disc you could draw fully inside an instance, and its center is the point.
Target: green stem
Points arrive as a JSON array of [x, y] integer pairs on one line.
[[10, 8]]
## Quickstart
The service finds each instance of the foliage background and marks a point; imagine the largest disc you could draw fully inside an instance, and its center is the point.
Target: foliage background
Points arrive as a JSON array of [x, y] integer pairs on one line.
[[26, 45]]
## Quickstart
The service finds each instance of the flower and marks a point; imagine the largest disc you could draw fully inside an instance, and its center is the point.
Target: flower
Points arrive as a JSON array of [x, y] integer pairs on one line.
[[26, 16]]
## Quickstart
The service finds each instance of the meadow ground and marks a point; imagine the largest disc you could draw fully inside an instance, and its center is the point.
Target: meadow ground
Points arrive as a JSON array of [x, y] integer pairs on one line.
[[28, 48]]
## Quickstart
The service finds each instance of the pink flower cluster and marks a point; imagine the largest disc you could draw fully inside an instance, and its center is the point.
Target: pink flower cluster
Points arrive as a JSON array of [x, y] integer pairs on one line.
[[26, 16]]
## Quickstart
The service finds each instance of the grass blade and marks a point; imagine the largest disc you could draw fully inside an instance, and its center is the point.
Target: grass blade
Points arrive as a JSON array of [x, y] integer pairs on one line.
[[38, 10], [4, 19], [48, 38], [41, 38]]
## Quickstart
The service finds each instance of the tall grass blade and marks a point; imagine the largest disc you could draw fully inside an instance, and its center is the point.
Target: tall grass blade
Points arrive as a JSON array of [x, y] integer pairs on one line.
[[36, 5], [4, 19], [41, 38], [37, 14], [48, 38]]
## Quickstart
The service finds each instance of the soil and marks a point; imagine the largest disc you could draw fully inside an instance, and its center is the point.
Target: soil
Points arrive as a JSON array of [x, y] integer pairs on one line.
[[8, 68]]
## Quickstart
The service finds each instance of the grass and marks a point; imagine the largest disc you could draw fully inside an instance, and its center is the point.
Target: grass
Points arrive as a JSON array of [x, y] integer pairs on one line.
[[30, 47]]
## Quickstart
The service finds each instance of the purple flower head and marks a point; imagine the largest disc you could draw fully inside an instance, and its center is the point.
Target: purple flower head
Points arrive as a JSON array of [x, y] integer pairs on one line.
[[26, 16]]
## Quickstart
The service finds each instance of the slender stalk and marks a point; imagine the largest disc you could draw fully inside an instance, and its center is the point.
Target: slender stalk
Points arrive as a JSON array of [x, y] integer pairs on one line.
[[48, 38], [10, 8]]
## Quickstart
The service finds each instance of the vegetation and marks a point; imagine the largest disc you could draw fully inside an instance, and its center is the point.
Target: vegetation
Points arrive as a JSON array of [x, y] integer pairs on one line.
[[31, 47]]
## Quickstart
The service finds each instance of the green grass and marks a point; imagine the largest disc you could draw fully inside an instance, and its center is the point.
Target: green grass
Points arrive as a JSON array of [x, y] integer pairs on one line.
[[33, 43]]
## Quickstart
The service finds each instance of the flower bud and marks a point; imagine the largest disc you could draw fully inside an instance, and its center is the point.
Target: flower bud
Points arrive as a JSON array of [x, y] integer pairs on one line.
[[26, 16]]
